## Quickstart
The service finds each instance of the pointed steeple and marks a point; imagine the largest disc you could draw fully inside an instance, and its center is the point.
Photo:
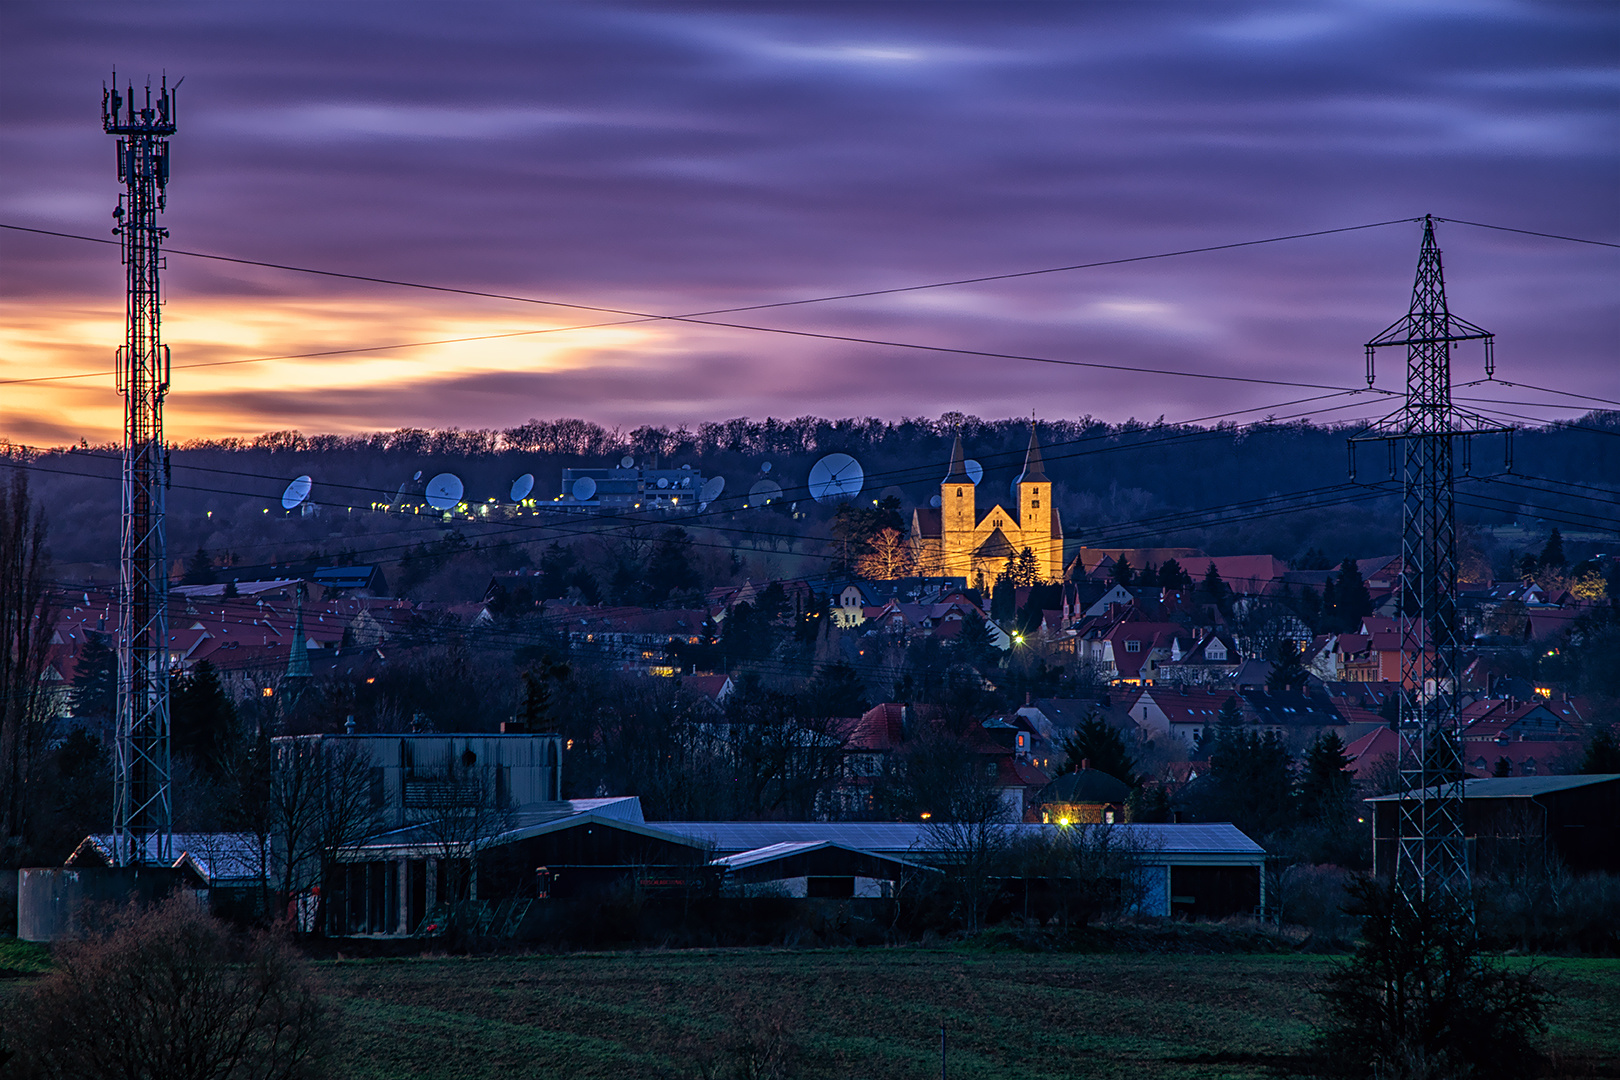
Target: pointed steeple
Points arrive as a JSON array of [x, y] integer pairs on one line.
[[1034, 470], [298, 653], [958, 473]]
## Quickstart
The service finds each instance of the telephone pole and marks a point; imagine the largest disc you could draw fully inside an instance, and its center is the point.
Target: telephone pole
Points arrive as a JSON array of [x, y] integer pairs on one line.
[[141, 800], [1430, 436]]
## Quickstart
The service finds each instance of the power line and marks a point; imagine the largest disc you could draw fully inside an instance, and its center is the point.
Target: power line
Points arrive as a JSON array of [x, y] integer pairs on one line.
[[1528, 232], [1540, 389]]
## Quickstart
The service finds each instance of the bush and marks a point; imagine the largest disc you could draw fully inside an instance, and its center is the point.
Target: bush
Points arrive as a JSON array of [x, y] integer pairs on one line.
[[168, 993], [1551, 910], [1418, 1002]]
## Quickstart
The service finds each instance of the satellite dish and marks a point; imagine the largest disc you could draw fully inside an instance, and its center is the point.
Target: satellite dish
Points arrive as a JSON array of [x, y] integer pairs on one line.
[[686, 481], [627, 462], [702, 506], [836, 477], [763, 492], [686, 468], [584, 489], [975, 471], [712, 487], [444, 491], [935, 502], [764, 466], [663, 481], [418, 475], [522, 486], [296, 492]]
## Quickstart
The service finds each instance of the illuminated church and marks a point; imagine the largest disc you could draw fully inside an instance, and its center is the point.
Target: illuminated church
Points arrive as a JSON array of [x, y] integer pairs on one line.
[[955, 541]]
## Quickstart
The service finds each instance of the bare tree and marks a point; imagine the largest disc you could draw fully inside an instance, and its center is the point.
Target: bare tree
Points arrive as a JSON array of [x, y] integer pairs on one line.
[[460, 810], [26, 702], [308, 802]]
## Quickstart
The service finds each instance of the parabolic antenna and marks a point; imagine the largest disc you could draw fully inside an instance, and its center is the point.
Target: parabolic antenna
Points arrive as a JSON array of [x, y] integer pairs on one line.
[[764, 466], [444, 491], [296, 492], [418, 475], [627, 462], [836, 477], [764, 492], [975, 471], [522, 486], [935, 501], [712, 487], [584, 489], [663, 481]]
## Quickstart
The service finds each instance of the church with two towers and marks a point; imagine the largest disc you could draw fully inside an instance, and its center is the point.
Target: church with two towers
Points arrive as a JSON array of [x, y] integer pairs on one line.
[[955, 541]]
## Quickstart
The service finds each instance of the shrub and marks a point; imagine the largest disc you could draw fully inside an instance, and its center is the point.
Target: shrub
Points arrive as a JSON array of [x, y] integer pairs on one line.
[[169, 993], [1418, 1002]]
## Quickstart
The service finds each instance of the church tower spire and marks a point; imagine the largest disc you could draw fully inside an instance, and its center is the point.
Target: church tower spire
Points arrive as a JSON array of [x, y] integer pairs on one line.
[[1037, 517], [1034, 469], [958, 473], [958, 515]]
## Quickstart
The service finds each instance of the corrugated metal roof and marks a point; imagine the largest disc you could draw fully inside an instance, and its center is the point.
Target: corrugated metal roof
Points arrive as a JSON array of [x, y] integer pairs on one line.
[[879, 837], [1513, 787]]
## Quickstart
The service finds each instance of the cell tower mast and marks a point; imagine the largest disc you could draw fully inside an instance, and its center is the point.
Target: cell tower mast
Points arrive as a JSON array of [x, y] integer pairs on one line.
[[141, 800], [1431, 436]]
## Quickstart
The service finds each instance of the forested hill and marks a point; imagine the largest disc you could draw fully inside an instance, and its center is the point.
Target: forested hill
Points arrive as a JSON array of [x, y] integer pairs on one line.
[[1278, 487]]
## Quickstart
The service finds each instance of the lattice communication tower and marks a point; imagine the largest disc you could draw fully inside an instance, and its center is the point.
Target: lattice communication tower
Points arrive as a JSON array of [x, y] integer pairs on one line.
[[1429, 437], [141, 799]]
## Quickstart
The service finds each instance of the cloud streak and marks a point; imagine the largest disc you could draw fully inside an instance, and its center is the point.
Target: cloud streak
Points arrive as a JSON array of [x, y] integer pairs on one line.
[[677, 158]]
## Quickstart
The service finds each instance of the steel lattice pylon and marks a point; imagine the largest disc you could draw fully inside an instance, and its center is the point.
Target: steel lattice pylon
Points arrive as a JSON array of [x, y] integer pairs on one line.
[[1431, 858], [141, 800]]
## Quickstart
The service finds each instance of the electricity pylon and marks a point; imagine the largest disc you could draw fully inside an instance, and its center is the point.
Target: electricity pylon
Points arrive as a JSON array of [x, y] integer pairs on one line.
[[141, 799], [1430, 434]]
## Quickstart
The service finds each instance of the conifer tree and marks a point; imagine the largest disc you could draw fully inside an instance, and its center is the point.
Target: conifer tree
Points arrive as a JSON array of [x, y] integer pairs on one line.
[[202, 718], [1552, 556]]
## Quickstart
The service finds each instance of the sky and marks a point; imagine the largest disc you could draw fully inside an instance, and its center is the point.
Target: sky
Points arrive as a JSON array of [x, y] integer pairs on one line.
[[665, 158]]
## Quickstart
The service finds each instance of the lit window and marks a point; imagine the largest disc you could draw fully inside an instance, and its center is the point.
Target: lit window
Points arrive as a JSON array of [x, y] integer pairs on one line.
[[268, 692]]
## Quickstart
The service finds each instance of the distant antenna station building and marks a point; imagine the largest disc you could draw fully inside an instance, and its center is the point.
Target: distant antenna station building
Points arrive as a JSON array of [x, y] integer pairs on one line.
[[629, 486]]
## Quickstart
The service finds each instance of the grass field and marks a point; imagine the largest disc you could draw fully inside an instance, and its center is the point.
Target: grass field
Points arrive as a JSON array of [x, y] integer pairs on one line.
[[874, 1014]]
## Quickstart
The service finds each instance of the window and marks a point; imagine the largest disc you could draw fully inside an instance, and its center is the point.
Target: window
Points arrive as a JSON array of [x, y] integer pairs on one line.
[[1133, 646], [1036, 504], [958, 493]]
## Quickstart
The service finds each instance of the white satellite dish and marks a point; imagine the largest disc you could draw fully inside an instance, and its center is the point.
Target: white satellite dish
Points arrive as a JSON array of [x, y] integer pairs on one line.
[[764, 466], [522, 486], [686, 481], [418, 475], [836, 477], [712, 487], [686, 468], [702, 506], [935, 502], [763, 492], [663, 481], [444, 491], [975, 471], [296, 492], [584, 489], [627, 462]]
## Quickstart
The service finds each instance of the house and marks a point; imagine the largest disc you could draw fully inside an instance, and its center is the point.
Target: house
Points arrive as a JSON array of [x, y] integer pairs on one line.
[[1130, 651], [1510, 820], [1211, 657], [1082, 797]]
